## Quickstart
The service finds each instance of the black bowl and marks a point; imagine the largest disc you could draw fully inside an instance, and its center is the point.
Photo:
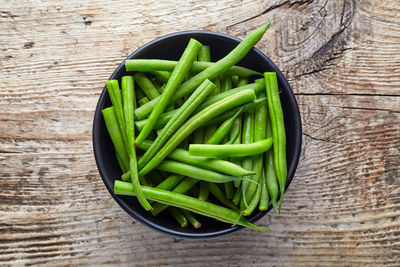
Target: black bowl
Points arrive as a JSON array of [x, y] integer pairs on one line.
[[170, 47]]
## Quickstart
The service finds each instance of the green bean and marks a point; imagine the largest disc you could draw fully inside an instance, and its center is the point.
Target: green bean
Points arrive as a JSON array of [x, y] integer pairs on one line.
[[178, 216], [237, 196], [246, 107], [264, 197], [140, 97], [253, 203], [128, 95], [218, 194], [190, 217], [173, 124], [229, 190], [116, 136], [177, 76], [235, 134], [162, 121], [204, 56], [270, 177], [116, 100], [204, 190], [128, 101], [260, 127], [260, 81], [211, 72], [216, 138], [143, 101], [151, 65], [209, 131], [198, 136], [197, 121], [234, 138], [194, 172], [223, 86], [235, 80], [223, 130], [242, 81], [258, 88], [226, 83], [162, 88], [189, 203], [158, 131], [247, 138], [170, 182], [126, 177], [278, 131], [139, 93], [165, 117], [170, 107], [157, 84], [184, 144], [162, 76], [218, 165], [239, 150], [184, 186], [146, 85]]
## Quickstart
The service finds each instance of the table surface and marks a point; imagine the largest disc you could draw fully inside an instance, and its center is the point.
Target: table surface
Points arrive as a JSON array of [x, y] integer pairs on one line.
[[342, 59]]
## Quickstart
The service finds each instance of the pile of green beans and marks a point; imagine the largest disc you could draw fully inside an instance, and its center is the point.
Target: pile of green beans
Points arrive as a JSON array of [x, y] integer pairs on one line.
[[205, 136]]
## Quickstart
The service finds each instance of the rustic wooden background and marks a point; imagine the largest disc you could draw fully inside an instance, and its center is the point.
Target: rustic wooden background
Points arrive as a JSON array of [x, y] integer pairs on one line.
[[342, 59]]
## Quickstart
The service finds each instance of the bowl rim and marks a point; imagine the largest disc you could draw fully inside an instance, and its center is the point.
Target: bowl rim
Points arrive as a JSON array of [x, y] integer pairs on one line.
[[167, 231]]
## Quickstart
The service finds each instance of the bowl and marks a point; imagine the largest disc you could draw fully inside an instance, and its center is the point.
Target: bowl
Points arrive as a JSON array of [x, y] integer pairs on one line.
[[170, 47]]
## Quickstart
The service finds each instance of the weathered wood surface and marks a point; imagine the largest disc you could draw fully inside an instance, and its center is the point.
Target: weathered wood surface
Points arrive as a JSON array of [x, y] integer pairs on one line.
[[342, 59]]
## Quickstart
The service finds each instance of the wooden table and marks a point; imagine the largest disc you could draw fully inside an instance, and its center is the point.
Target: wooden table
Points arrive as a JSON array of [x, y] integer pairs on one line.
[[342, 59]]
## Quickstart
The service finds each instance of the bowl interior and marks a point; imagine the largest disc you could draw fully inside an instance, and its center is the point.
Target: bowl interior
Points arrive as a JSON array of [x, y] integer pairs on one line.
[[170, 47]]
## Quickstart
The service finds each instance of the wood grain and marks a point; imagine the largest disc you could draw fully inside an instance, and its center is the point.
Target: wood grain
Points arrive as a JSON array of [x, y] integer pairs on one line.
[[342, 59]]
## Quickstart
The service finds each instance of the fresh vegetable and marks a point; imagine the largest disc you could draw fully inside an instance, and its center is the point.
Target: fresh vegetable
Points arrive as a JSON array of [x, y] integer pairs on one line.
[[177, 76], [205, 132], [278, 131], [187, 202], [211, 72], [128, 97]]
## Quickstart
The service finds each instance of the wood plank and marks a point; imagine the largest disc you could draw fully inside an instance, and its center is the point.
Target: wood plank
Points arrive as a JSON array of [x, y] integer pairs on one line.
[[337, 199], [342, 59]]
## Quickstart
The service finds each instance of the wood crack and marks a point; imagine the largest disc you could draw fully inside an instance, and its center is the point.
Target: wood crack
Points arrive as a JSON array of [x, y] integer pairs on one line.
[[9, 152], [321, 139], [373, 109], [343, 25], [327, 56], [271, 8], [311, 72]]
